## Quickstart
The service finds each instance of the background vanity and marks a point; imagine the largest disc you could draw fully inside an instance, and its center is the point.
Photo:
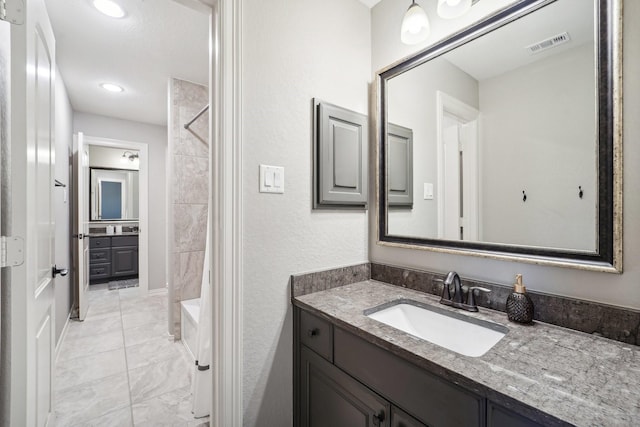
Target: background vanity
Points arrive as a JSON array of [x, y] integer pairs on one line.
[[113, 257]]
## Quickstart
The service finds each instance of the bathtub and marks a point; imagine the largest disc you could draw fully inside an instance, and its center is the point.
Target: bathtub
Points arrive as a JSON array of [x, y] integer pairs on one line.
[[189, 324]]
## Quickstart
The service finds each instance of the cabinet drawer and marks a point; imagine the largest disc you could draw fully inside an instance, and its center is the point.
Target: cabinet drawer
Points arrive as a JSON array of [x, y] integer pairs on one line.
[[99, 242], [117, 241], [317, 334], [98, 256], [430, 399], [99, 271], [399, 418]]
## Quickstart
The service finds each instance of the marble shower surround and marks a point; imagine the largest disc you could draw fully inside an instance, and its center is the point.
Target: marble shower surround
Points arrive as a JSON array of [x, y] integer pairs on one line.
[[611, 322], [189, 157]]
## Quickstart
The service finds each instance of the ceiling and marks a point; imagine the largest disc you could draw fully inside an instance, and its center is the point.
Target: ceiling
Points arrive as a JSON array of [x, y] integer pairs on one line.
[[505, 49], [370, 3], [156, 40]]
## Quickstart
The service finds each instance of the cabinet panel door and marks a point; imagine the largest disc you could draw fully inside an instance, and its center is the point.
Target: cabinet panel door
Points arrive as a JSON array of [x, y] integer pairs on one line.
[[497, 416], [431, 399], [124, 261], [330, 398], [400, 418]]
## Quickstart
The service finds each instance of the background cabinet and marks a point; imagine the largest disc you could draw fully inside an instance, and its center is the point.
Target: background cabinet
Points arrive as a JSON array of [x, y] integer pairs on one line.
[[113, 257]]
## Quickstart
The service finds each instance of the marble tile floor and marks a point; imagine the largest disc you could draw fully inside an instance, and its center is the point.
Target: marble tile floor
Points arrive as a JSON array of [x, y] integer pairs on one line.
[[120, 368]]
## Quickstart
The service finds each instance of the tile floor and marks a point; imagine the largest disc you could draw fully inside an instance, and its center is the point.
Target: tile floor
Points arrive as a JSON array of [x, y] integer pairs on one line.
[[119, 367]]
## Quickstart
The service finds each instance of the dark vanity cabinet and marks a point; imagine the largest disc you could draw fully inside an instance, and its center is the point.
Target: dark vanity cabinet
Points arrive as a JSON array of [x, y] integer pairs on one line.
[[113, 257], [343, 380]]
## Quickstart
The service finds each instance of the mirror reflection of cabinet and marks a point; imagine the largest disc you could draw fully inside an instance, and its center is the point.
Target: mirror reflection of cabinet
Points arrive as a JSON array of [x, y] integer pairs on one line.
[[114, 194], [400, 140]]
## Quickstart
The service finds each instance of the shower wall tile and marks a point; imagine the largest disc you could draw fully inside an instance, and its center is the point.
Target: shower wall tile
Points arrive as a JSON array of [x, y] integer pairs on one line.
[[190, 222], [189, 156], [193, 179], [191, 266]]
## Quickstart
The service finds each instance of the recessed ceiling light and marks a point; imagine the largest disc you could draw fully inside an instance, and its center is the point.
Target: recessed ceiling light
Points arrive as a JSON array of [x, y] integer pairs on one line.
[[109, 8], [111, 87]]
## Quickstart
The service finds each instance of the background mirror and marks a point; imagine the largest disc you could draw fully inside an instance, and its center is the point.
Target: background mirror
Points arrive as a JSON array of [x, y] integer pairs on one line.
[[505, 136], [114, 194]]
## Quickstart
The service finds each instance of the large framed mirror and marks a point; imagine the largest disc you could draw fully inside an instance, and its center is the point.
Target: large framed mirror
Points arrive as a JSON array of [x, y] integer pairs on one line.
[[114, 194], [516, 132]]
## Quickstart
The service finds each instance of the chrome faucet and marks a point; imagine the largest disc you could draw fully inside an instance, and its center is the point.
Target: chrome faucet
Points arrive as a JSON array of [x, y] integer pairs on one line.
[[458, 300]]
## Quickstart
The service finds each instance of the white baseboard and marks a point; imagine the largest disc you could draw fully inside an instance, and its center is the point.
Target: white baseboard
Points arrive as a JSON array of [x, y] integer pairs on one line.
[[159, 291]]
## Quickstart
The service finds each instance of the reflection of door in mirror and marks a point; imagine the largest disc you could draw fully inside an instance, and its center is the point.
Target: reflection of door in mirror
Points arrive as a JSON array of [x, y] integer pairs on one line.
[[458, 210], [111, 195]]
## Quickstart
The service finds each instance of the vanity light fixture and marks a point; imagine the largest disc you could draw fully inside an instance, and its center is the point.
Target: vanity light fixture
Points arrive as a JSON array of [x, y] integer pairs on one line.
[[415, 25], [112, 87], [109, 8], [129, 156], [451, 9]]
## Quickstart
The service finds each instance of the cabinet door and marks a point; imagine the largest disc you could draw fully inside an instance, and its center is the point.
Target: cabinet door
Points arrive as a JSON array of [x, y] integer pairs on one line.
[[400, 418], [124, 261], [497, 416], [330, 398]]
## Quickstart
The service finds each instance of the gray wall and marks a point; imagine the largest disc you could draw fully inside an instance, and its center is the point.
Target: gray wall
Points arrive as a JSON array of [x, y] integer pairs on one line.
[[292, 51], [544, 154], [62, 203], [621, 290], [156, 138]]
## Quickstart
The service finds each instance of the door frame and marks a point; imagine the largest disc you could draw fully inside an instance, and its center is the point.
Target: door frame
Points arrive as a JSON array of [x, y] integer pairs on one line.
[[143, 200], [225, 134], [447, 104]]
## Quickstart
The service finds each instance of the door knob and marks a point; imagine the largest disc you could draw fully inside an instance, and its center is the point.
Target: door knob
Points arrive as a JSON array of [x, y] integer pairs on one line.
[[61, 271]]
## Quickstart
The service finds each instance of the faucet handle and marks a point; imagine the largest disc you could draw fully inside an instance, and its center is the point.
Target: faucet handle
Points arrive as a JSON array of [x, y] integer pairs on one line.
[[471, 299], [446, 294]]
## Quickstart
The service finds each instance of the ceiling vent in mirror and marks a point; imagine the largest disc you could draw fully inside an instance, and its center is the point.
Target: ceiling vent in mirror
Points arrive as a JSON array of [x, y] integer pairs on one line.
[[549, 43]]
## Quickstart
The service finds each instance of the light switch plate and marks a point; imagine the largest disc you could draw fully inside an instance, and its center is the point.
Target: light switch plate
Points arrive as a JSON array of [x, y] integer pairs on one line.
[[271, 179], [428, 191]]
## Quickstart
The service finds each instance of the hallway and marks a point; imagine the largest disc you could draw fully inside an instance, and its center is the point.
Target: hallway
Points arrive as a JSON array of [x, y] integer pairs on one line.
[[119, 368]]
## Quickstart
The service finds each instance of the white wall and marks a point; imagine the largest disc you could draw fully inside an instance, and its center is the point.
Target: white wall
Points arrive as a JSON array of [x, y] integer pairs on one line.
[[292, 51], [621, 290], [62, 203], [533, 145], [412, 104], [156, 138]]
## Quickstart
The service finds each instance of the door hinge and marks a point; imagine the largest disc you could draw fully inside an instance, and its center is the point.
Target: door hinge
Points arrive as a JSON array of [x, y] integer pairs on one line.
[[11, 251], [12, 11]]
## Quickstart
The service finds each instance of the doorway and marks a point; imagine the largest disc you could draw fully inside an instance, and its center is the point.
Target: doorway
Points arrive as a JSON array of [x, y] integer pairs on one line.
[[458, 174], [116, 167]]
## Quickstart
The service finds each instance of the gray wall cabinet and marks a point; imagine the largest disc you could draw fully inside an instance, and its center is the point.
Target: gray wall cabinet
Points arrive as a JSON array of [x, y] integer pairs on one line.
[[340, 166], [400, 165], [341, 379]]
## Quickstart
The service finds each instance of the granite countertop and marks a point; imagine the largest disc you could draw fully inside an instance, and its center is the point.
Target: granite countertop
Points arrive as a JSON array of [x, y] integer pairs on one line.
[[124, 233], [577, 378]]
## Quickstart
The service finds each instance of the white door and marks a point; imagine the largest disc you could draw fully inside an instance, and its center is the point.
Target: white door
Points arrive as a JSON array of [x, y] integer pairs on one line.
[[32, 185], [81, 171], [460, 175]]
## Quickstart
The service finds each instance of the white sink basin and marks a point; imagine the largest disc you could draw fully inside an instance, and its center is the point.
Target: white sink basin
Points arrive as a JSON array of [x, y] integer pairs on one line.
[[462, 334]]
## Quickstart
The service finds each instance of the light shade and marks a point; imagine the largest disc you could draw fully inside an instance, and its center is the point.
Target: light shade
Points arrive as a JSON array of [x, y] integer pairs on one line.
[[109, 8], [450, 9], [415, 25]]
